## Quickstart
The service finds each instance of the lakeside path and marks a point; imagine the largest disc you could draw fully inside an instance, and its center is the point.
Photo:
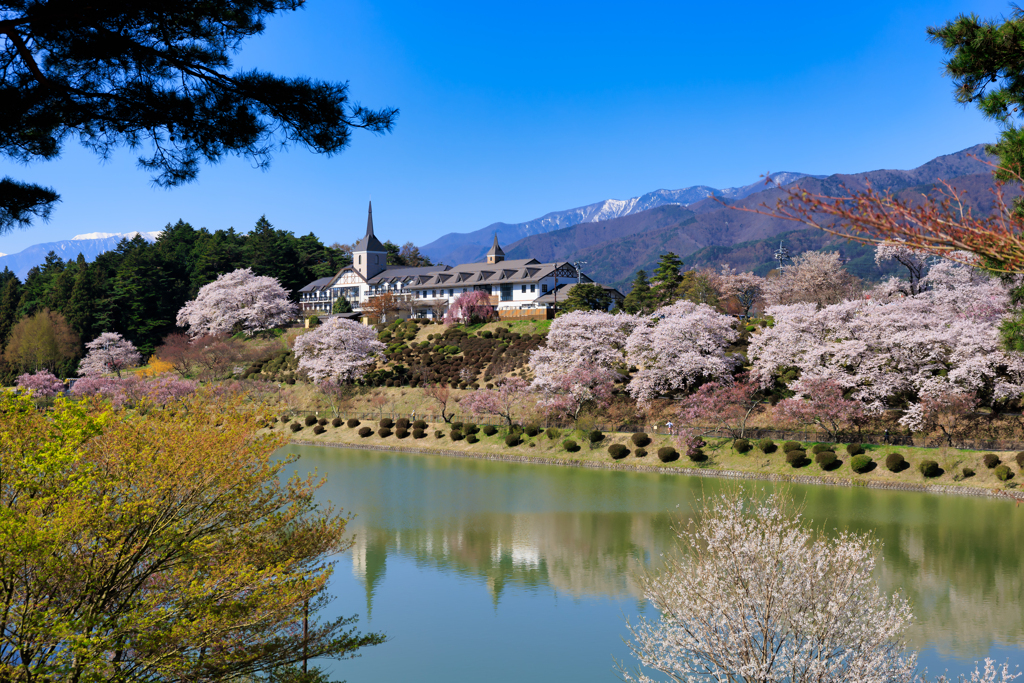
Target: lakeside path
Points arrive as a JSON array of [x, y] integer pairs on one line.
[[960, 488]]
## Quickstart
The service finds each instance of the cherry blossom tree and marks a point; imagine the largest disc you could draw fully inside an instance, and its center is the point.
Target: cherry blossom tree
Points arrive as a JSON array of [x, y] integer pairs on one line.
[[745, 288], [581, 338], [587, 385], [338, 350], [470, 307], [239, 301], [108, 353], [679, 346], [42, 384], [820, 402], [951, 414], [504, 401], [914, 260], [722, 406], [133, 391], [817, 277], [754, 595]]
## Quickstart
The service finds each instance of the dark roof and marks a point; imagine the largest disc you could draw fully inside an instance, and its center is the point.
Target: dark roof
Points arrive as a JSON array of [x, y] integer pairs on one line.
[[369, 242], [317, 285], [396, 273], [503, 272], [563, 292], [495, 249]]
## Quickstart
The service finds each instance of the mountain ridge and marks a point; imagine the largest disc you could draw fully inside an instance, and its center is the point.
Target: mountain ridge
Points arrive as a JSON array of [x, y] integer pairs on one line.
[[90, 247]]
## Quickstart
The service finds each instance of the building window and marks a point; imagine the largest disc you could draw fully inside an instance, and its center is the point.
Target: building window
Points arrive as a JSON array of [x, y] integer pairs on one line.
[[524, 289], [360, 259], [506, 292], [543, 288], [451, 292], [533, 288]]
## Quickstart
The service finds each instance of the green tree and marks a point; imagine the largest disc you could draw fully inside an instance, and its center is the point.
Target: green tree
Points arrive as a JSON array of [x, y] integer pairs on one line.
[[640, 298], [698, 287], [667, 277], [394, 254], [10, 297], [43, 341], [586, 296], [78, 310], [341, 305], [161, 545], [273, 253], [140, 75]]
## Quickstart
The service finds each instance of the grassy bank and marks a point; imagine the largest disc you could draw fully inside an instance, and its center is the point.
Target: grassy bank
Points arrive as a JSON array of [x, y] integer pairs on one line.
[[722, 457]]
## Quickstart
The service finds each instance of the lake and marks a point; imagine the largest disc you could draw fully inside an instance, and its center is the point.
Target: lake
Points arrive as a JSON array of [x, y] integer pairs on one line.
[[480, 570]]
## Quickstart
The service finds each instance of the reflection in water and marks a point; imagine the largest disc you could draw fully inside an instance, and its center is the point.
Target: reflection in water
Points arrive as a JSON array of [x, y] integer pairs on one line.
[[591, 533]]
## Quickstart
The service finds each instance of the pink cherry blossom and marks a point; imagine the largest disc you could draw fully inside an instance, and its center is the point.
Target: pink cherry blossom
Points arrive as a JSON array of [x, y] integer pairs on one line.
[[237, 301], [504, 401], [587, 385], [108, 353], [42, 384], [339, 350], [469, 308]]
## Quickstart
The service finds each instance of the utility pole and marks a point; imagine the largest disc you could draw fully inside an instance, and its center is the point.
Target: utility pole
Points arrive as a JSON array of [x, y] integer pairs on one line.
[[782, 254], [579, 271]]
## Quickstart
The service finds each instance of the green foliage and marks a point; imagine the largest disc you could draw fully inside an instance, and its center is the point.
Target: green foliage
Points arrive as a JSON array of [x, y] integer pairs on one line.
[[352, 423], [336, 422], [438, 434], [341, 305], [456, 435], [586, 297], [401, 433], [295, 426], [1020, 459], [766, 446], [640, 452], [990, 460], [490, 430], [826, 459], [895, 462], [640, 298], [532, 429], [741, 445], [968, 472], [512, 439], [791, 446], [618, 451], [418, 433], [310, 420], [797, 457], [861, 464], [667, 278], [386, 422], [319, 429], [383, 432], [419, 424], [554, 433], [365, 432], [854, 449], [929, 468], [570, 445], [595, 436], [1003, 473]]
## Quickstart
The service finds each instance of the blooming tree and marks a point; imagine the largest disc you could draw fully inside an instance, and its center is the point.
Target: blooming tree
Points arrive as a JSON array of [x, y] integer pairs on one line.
[[722, 406], [587, 385], [952, 414], [237, 301], [914, 260], [745, 288], [470, 307], [42, 384], [108, 353], [504, 401], [682, 344], [133, 391], [581, 338], [338, 350], [892, 348], [817, 277], [820, 402], [756, 596]]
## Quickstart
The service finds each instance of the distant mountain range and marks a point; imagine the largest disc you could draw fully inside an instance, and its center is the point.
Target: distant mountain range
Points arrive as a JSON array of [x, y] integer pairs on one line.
[[469, 247], [89, 245], [709, 232]]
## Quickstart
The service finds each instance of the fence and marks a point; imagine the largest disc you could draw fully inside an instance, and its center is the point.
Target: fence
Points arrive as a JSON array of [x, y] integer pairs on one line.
[[526, 314], [661, 429]]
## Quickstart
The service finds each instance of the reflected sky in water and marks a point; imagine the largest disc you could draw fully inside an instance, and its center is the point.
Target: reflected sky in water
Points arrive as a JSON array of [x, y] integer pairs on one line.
[[483, 570]]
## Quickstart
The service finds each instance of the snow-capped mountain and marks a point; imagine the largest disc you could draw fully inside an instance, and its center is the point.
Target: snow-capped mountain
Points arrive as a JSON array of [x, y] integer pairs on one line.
[[89, 245], [467, 247]]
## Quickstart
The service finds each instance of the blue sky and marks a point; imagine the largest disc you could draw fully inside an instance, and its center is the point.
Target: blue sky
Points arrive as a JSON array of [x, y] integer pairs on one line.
[[511, 110]]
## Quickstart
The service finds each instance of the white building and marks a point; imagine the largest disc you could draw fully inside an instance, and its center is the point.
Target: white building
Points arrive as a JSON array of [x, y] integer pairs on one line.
[[523, 288]]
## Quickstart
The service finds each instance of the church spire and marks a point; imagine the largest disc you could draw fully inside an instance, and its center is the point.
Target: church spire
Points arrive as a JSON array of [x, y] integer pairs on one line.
[[369, 220], [495, 254]]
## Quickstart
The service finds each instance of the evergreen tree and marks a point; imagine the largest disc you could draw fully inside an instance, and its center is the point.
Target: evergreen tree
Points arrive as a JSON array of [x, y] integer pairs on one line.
[[78, 310], [586, 297], [133, 74], [640, 298], [10, 297], [272, 253], [667, 277], [213, 255], [341, 305], [698, 288]]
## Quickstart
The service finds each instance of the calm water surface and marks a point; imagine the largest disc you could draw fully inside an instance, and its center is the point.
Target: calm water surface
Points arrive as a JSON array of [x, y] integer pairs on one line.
[[485, 571]]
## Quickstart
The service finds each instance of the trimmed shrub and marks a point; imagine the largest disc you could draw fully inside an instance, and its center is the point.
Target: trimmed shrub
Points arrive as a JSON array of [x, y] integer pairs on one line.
[[1020, 460], [595, 436], [618, 451], [471, 438], [310, 420], [640, 439], [861, 464], [512, 439], [401, 433], [456, 435], [295, 426], [826, 459], [854, 449], [667, 454], [766, 446], [386, 423], [570, 445], [819, 447], [741, 445], [797, 457], [554, 433], [532, 430], [895, 462], [470, 428], [365, 432], [402, 423], [990, 460], [490, 430], [457, 425], [1003, 473], [319, 429], [336, 422], [285, 417], [929, 468], [322, 422], [438, 434], [353, 423], [791, 446], [968, 472], [696, 454], [418, 433], [419, 424], [383, 432], [640, 453]]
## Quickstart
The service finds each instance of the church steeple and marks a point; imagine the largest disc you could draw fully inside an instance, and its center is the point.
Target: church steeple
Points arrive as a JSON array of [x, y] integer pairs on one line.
[[368, 255], [495, 254]]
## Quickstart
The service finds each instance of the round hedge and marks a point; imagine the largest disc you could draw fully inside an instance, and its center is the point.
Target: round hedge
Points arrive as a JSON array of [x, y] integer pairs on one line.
[[968, 472], [470, 428], [295, 426], [532, 430], [319, 429], [570, 445], [819, 447], [1003, 473], [419, 424], [418, 433], [353, 422], [929, 468], [456, 435], [401, 433], [383, 432], [438, 434], [386, 423], [791, 446], [854, 449], [796, 457], [595, 436], [640, 439], [490, 430], [1020, 460], [365, 432], [861, 464], [640, 453], [402, 423], [471, 438], [895, 462], [310, 420], [322, 422], [741, 445], [990, 460], [618, 451], [766, 446], [457, 425], [336, 422], [667, 454], [512, 439], [826, 459]]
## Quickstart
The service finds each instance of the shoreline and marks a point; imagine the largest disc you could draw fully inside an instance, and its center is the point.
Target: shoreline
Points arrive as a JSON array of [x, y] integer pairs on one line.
[[973, 491]]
